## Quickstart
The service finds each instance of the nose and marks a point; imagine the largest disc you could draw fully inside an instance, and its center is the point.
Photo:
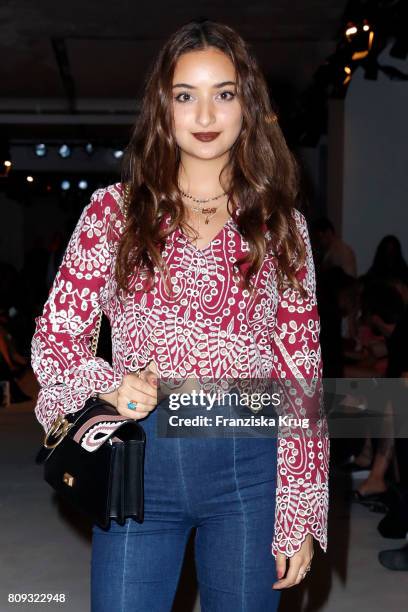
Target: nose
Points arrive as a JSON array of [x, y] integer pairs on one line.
[[205, 113]]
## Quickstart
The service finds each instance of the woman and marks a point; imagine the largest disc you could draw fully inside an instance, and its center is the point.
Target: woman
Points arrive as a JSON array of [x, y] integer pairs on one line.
[[211, 192]]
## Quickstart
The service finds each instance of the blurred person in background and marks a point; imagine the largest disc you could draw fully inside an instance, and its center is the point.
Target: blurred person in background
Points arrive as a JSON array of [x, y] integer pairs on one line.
[[332, 251]]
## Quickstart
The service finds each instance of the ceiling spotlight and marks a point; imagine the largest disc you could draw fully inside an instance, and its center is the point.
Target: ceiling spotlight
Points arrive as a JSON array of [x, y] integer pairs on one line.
[[40, 150], [83, 184], [89, 148], [64, 151], [5, 168], [29, 179], [65, 185], [117, 153], [351, 30]]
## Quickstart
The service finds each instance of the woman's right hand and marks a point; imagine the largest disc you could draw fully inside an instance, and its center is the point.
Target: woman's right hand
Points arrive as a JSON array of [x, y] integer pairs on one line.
[[140, 388]]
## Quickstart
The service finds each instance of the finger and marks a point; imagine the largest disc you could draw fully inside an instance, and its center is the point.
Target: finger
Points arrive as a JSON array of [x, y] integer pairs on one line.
[[302, 574], [136, 405], [305, 569], [131, 414], [151, 378], [140, 402], [140, 407], [143, 385], [153, 367], [136, 387], [280, 565], [291, 576]]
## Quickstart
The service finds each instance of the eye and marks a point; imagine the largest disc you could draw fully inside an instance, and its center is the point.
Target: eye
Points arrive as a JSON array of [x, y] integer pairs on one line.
[[178, 98], [229, 93]]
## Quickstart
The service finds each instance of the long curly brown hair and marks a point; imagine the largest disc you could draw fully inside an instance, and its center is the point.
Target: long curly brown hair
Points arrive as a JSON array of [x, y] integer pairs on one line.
[[264, 176]]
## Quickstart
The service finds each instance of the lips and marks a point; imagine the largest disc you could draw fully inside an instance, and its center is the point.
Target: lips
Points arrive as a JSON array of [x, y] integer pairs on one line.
[[206, 136]]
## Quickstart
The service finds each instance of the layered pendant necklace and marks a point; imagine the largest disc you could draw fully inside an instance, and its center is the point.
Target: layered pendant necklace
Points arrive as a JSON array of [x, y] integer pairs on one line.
[[208, 211]]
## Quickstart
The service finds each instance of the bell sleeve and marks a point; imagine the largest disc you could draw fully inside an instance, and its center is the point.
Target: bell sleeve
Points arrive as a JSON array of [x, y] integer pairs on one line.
[[302, 494], [61, 355]]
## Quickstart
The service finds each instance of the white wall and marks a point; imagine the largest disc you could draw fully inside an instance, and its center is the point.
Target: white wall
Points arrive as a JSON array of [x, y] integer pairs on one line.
[[375, 180]]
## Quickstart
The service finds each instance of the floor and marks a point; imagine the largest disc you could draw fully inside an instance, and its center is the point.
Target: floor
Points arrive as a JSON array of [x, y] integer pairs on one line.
[[45, 547]]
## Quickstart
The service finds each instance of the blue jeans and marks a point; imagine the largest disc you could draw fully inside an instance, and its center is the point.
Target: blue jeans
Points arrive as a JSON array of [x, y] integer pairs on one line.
[[225, 488]]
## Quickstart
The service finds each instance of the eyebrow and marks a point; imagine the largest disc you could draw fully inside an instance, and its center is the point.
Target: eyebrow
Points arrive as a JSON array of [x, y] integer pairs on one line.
[[187, 86]]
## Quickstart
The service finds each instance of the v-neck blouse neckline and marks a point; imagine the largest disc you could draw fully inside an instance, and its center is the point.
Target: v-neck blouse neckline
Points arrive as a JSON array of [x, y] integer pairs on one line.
[[230, 222], [188, 242]]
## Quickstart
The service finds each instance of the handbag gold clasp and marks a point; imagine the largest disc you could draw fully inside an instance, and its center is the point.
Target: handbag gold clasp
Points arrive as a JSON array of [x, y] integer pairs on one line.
[[68, 479], [58, 430]]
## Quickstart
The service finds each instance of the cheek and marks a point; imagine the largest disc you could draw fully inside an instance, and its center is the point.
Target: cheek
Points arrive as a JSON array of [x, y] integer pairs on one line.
[[181, 117], [232, 118], [233, 121]]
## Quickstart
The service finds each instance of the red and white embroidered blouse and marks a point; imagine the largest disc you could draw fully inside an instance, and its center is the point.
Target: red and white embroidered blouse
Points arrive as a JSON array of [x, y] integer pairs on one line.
[[212, 329]]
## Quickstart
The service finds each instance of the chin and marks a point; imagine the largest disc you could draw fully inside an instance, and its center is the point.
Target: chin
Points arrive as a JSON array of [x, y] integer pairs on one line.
[[201, 153], [212, 155], [210, 152]]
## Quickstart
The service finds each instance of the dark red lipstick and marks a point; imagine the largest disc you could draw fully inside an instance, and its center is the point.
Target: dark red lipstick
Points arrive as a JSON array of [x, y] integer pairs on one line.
[[206, 136]]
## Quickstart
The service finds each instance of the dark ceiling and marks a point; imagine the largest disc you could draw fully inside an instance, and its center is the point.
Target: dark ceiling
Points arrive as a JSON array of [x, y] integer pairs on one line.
[[87, 59]]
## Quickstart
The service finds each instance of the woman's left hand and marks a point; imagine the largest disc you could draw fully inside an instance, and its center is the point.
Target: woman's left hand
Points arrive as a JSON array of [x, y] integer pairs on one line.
[[298, 564]]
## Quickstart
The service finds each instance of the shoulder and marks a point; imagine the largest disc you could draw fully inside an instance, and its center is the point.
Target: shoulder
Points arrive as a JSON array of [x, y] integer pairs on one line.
[[307, 274], [106, 207], [102, 219], [108, 199], [302, 227], [301, 222]]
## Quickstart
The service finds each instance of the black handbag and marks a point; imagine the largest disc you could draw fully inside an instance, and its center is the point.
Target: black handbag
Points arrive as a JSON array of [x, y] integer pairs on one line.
[[94, 458]]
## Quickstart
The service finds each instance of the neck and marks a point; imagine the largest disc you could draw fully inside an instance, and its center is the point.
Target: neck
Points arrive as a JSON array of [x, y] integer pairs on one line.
[[200, 178]]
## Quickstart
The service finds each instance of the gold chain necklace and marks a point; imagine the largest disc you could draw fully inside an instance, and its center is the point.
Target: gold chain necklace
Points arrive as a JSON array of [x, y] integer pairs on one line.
[[209, 212], [202, 201]]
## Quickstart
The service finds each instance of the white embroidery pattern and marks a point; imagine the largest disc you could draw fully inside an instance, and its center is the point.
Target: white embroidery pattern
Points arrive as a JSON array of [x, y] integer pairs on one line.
[[96, 435], [212, 329]]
